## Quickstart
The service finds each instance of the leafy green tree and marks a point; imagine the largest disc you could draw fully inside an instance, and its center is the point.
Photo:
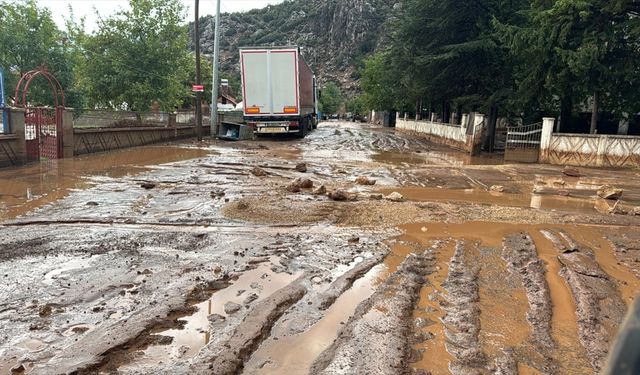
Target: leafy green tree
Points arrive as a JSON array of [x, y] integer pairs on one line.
[[331, 98], [139, 56], [377, 83], [356, 106], [28, 39], [576, 52]]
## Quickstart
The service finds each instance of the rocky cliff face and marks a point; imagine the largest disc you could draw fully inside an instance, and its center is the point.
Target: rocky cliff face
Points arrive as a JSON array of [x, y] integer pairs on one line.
[[335, 35]]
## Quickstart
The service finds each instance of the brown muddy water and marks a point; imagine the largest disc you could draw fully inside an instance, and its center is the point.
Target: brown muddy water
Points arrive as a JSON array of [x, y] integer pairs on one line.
[[504, 325], [196, 333], [23, 189]]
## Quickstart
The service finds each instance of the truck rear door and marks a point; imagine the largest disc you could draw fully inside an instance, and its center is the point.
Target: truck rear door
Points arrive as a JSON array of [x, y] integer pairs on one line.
[[270, 82]]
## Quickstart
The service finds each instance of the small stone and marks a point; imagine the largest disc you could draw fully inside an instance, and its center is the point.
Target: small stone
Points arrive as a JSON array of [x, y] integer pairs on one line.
[[376, 197], [316, 280], [231, 307], [299, 184], [395, 197], [18, 369], [215, 318], [258, 172], [242, 205], [571, 172], [635, 211], [250, 298], [301, 167], [338, 195], [321, 190], [420, 322], [354, 239], [92, 203], [497, 188], [44, 310], [610, 192], [148, 185], [362, 180]]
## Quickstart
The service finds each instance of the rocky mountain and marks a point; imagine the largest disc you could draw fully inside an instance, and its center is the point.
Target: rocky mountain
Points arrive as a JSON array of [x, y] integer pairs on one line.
[[335, 35]]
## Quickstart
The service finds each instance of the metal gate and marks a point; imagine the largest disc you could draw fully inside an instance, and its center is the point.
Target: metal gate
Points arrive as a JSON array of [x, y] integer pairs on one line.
[[43, 133], [42, 125], [523, 143]]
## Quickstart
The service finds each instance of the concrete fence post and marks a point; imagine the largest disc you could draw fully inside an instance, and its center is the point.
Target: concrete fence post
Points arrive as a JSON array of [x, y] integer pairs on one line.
[[478, 127], [623, 127], [67, 133], [16, 126], [603, 146], [545, 138]]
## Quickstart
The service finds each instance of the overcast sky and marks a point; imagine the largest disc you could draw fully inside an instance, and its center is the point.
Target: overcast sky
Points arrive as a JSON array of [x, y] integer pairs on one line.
[[59, 8]]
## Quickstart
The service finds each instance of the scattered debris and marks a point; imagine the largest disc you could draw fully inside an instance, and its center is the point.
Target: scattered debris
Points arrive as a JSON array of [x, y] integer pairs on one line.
[[45, 310], [301, 167], [610, 192], [362, 180], [320, 190], [299, 184], [395, 197], [571, 172], [217, 193], [339, 195], [258, 172], [231, 307]]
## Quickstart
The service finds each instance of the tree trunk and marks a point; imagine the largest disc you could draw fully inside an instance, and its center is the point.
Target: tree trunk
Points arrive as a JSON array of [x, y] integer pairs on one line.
[[566, 109], [594, 114], [459, 115], [491, 129]]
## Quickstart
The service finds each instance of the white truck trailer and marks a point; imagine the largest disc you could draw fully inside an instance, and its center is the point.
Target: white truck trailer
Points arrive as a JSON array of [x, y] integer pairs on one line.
[[278, 90]]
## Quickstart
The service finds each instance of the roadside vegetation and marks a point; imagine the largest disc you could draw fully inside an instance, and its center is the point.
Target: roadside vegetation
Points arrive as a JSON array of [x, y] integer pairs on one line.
[[523, 58], [133, 59]]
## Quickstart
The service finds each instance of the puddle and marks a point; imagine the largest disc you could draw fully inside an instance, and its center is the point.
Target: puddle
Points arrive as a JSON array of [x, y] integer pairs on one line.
[[295, 354], [499, 327], [187, 342], [23, 189], [564, 324], [435, 357], [70, 265], [32, 345], [7, 364], [546, 202], [628, 284], [452, 158]]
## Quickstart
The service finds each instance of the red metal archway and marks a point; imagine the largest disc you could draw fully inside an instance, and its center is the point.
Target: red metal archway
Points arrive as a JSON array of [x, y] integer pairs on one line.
[[43, 125]]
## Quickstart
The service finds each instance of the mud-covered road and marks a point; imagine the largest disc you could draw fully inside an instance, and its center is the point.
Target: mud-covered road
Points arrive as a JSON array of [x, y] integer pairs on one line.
[[357, 250]]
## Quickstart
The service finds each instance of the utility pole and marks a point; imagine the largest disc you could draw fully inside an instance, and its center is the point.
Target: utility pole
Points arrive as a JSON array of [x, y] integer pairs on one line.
[[198, 78], [216, 74]]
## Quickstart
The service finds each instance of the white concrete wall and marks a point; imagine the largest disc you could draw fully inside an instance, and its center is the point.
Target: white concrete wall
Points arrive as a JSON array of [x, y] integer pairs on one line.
[[447, 131], [589, 150]]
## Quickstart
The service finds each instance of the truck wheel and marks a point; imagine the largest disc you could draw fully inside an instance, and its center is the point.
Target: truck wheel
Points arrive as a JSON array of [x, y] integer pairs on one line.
[[304, 128]]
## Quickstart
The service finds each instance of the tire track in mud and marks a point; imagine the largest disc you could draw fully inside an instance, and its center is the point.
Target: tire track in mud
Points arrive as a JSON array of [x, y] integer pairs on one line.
[[599, 305], [428, 337], [229, 356], [314, 322], [375, 338], [462, 318]]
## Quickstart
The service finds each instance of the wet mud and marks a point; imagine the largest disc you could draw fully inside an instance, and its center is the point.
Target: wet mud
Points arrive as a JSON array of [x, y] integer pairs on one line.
[[202, 258], [374, 338]]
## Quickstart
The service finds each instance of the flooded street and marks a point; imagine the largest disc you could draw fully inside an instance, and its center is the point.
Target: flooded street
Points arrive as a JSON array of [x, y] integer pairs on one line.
[[398, 256]]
